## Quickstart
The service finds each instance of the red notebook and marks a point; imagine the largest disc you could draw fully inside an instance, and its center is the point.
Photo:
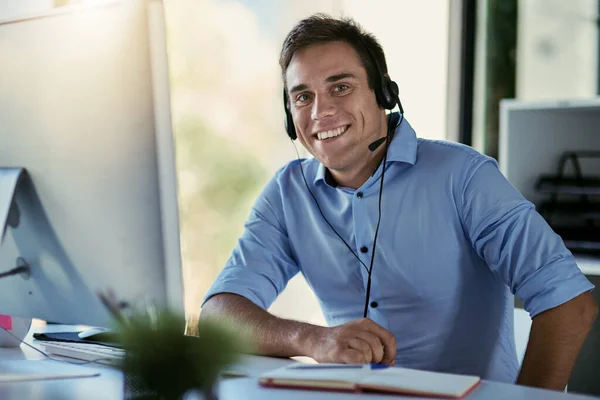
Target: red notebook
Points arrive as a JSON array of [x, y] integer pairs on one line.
[[355, 377]]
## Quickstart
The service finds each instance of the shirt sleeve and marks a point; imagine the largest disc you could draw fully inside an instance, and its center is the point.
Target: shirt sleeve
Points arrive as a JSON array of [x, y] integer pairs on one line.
[[261, 264], [516, 242]]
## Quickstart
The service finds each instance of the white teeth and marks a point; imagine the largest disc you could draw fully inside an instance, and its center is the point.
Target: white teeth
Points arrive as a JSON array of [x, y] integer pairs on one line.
[[331, 133]]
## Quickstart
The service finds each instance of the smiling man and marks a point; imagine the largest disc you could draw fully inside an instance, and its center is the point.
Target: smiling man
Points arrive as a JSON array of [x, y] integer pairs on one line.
[[425, 238], [335, 111]]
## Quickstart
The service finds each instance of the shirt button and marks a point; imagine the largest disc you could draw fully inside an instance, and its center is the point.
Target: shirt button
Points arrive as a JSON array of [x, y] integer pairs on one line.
[[364, 249], [374, 304], [359, 195]]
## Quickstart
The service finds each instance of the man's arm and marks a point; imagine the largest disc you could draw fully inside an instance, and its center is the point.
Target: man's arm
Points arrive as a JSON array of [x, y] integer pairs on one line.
[[361, 341], [555, 341], [520, 248]]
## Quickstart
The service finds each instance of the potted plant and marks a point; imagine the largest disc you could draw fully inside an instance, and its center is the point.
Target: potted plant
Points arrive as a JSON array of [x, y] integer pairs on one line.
[[163, 363]]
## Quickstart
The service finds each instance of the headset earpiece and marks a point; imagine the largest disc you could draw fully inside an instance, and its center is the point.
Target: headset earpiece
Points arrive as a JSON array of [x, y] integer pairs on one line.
[[289, 121], [394, 90], [388, 94], [289, 125]]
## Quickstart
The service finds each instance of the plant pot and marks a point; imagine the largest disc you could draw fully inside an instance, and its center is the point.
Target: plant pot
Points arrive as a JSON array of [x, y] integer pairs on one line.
[[135, 389]]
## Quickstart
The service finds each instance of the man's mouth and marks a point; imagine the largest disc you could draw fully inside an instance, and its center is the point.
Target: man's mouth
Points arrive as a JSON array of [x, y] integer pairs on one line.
[[324, 135]]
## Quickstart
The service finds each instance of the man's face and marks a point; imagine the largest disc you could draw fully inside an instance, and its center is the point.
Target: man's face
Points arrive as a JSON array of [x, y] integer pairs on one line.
[[335, 112]]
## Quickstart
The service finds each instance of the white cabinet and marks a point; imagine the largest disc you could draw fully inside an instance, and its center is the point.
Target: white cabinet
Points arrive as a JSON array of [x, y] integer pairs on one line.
[[534, 135]]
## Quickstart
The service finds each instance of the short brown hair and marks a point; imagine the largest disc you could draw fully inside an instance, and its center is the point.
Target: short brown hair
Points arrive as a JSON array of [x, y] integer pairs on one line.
[[322, 28]]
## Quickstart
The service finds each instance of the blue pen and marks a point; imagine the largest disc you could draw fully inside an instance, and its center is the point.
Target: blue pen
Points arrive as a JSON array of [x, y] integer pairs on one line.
[[379, 366], [341, 366]]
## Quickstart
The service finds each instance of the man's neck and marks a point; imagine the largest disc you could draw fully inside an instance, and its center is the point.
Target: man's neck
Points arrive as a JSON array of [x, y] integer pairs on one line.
[[357, 177]]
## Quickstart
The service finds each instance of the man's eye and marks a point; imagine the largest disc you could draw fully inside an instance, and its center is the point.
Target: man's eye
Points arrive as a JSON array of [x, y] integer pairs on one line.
[[341, 88], [302, 98]]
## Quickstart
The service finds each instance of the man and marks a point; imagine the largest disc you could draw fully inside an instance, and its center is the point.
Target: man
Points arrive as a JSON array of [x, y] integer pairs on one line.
[[456, 240]]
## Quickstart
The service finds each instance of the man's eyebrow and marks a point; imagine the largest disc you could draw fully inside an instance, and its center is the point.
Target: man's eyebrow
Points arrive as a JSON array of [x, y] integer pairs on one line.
[[339, 77], [332, 78], [298, 88]]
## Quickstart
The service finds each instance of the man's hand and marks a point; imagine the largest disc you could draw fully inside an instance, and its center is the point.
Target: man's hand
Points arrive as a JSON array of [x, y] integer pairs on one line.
[[359, 342]]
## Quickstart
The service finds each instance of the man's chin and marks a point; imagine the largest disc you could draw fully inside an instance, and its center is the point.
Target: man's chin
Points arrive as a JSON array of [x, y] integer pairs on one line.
[[332, 159], [336, 165]]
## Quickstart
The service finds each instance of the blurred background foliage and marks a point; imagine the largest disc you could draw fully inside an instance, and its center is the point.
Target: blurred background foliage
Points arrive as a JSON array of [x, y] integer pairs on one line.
[[220, 183], [224, 151]]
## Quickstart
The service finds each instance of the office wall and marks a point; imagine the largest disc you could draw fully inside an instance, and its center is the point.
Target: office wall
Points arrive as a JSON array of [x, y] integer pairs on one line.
[[13, 8], [557, 49]]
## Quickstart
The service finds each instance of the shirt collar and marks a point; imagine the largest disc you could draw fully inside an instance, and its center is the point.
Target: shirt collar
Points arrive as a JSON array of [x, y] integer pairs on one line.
[[403, 147]]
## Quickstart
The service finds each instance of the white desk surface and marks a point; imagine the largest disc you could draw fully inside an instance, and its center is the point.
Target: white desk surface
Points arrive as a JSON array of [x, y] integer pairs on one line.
[[589, 265], [109, 385]]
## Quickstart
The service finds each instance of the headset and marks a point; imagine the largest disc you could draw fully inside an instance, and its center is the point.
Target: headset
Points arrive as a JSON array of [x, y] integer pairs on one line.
[[387, 96]]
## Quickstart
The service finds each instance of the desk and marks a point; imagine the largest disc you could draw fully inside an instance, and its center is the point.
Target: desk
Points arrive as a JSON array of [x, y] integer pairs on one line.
[[109, 385]]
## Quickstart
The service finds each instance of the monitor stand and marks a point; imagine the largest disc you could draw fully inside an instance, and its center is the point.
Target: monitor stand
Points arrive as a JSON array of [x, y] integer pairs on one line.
[[12, 180], [10, 216]]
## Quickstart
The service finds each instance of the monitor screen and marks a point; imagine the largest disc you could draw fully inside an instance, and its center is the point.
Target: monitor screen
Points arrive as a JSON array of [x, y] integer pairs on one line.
[[85, 112]]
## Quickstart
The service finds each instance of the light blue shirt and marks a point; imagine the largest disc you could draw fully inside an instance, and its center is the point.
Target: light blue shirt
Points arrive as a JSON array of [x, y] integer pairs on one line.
[[456, 242]]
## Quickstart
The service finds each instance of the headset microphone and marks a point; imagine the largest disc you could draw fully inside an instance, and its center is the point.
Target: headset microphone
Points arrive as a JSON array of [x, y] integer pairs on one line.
[[373, 146]]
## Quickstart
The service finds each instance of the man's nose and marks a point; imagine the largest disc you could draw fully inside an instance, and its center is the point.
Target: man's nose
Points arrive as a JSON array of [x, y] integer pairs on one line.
[[323, 107]]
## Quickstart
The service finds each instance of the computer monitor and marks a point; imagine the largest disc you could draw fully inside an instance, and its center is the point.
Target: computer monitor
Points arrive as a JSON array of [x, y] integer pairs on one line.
[[84, 108]]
